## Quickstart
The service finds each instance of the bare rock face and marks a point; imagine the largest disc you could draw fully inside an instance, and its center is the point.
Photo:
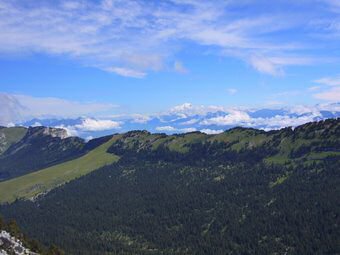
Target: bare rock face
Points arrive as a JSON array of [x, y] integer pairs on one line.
[[3, 142], [9, 136], [55, 132], [12, 245], [47, 131], [34, 134]]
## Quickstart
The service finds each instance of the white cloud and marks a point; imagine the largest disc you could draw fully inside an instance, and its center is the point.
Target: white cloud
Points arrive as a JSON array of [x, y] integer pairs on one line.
[[10, 109], [280, 121], [182, 108], [296, 60], [330, 81], [16, 108], [265, 65], [140, 118], [332, 107], [173, 129], [126, 72], [36, 124], [290, 116], [187, 109], [186, 130], [51, 106], [197, 117], [131, 38], [88, 138], [190, 122], [89, 124], [166, 128], [330, 90], [304, 109], [234, 117], [231, 91], [332, 94], [10, 124], [211, 131], [334, 4], [70, 130], [71, 5], [179, 67], [314, 88]]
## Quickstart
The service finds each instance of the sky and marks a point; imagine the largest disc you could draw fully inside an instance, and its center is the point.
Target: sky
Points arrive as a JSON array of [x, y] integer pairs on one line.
[[108, 58]]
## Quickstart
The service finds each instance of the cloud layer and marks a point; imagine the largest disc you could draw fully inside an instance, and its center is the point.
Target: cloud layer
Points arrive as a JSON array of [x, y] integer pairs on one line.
[[16, 108], [189, 118], [131, 38], [329, 89], [95, 119]]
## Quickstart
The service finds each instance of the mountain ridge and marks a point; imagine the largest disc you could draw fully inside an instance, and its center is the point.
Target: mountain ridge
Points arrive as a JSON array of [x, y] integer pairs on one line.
[[305, 144], [34, 148], [243, 191]]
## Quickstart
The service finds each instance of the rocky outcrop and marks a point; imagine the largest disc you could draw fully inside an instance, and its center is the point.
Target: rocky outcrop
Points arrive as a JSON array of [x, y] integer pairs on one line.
[[56, 132], [39, 147], [9, 136], [12, 245], [3, 142], [47, 131]]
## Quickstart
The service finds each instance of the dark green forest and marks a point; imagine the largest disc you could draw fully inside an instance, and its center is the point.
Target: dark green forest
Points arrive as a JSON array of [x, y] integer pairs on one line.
[[33, 245], [206, 196]]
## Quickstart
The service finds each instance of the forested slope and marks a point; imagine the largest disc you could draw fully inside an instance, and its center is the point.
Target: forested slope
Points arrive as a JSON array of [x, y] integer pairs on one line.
[[244, 191]]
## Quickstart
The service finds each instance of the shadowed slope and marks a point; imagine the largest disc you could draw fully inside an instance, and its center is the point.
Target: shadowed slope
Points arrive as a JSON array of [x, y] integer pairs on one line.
[[33, 184]]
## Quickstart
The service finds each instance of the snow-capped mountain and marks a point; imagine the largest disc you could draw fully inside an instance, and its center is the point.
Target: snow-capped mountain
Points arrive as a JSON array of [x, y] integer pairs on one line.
[[188, 117]]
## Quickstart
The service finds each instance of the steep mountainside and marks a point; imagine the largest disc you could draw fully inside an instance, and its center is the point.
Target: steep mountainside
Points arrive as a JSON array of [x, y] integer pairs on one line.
[[14, 242], [307, 144], [9, 136], [244, 191], [39, 182], [34, 148]]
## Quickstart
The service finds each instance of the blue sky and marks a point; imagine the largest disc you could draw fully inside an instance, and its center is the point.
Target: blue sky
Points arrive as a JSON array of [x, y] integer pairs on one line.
[[126, 57]]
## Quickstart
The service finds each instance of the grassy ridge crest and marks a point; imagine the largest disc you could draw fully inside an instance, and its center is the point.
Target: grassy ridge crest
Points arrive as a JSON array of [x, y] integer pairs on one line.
[[33, 184]]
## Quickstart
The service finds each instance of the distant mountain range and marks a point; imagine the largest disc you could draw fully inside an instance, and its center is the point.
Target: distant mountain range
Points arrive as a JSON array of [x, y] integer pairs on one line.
[[188, 118]]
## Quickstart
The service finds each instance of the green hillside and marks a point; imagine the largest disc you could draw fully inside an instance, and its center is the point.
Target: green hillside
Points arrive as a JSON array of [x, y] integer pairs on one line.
[[307, 144], [36, 148], [33, 184], [9, 136], [242, 138], [244, 191]]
